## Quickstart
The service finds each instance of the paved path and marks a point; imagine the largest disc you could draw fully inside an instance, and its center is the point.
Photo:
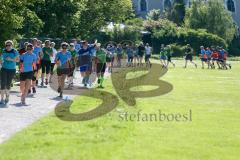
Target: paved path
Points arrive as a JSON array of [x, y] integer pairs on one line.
[[15, 117]]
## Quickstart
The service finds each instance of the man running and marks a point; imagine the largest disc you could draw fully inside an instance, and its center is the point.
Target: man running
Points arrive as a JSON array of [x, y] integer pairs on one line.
[[37, 50], [101, 64], [85, 61], [148, 53], [52, 61], [188, 56], [73, 62]]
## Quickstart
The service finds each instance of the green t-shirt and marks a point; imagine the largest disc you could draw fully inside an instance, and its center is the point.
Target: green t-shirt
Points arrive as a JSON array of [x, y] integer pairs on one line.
[[168, 52], [46, 53], [101, 56], [74, 55], [163, 53]]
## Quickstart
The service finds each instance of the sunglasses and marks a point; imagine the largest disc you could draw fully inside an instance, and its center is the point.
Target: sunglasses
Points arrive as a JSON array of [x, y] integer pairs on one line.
[[8, 45]]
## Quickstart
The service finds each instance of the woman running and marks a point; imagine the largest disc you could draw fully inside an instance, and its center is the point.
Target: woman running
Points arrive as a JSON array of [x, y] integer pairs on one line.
[[52, 61], [62, 60], [28, 63], [46, 61], [9, 59]]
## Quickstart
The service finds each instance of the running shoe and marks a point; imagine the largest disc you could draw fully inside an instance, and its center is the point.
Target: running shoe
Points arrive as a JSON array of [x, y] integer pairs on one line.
[[34, 90]]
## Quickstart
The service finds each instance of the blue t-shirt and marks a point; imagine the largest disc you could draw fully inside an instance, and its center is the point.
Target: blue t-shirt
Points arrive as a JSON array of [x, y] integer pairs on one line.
[[85, 56], [37, 51], [209, 53], [77, 47], [64, 59], [28, 59], [222, 52], [202, 53], [9, 54]]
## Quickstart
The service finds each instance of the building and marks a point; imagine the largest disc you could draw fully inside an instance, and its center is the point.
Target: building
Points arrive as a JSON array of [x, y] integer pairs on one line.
[[142, 7]]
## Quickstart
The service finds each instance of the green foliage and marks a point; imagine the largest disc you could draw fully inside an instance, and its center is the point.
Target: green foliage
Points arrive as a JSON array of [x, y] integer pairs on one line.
[[178, 50], [177, 13], [129, 34], [234, 48], [165, 32], [154, 14], [213, 17]]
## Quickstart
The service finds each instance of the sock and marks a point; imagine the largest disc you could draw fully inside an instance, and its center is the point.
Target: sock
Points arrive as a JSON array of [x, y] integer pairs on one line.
[[101, 81]]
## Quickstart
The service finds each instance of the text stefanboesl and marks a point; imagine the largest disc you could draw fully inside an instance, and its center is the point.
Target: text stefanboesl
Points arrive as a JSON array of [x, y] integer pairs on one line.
[[157, 116]]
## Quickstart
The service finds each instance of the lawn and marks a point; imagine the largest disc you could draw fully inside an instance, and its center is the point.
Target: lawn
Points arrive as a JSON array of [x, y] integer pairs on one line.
[[213, 96]]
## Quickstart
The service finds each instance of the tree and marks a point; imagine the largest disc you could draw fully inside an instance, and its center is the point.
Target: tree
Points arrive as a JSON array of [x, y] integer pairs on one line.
[[212, 16], [177, 13], [154, 14], [98, 13]]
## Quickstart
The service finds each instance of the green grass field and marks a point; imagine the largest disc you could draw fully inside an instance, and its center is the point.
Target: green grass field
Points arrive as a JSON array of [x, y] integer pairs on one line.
[[213, 134]]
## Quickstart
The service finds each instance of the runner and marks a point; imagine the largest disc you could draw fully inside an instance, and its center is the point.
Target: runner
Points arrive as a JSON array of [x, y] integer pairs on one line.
[[148, 53], [9, 58], [135, 56], [203, 56], [110, 57], [141, 51], [169, 56], [101, 64], [37, 51], [73, 61], [129, 52], [189, 57], [62, 60], [46, 62], [27, 66], [214, 57], [24, 49], [85, 61], [52, 61], [163, 56], [119, 55], [209, 54]]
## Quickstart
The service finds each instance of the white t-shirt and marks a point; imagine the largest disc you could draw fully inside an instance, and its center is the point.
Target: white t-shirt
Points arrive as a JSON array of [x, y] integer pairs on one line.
[[148, 50], [54, 55]]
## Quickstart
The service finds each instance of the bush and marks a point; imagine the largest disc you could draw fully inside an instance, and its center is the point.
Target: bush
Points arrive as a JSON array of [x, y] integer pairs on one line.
[[166, 32]]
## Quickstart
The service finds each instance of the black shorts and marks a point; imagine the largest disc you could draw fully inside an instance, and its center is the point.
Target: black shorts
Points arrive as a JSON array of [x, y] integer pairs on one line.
[[26, 76], [169, 58], [109, 59], [52, 68], [189, 57], [7, 77], [220, 60], [71, 71], [203, 59], [46, 66], [63, 71], [147, 57], [101, 67]]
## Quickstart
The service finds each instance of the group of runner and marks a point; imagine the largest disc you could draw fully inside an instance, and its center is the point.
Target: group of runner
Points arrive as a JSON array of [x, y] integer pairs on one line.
[[213, 56], [39, 61]]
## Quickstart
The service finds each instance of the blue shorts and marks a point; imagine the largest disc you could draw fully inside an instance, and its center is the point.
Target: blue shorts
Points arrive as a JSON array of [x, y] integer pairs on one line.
[[85, 68], [163, 58]]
